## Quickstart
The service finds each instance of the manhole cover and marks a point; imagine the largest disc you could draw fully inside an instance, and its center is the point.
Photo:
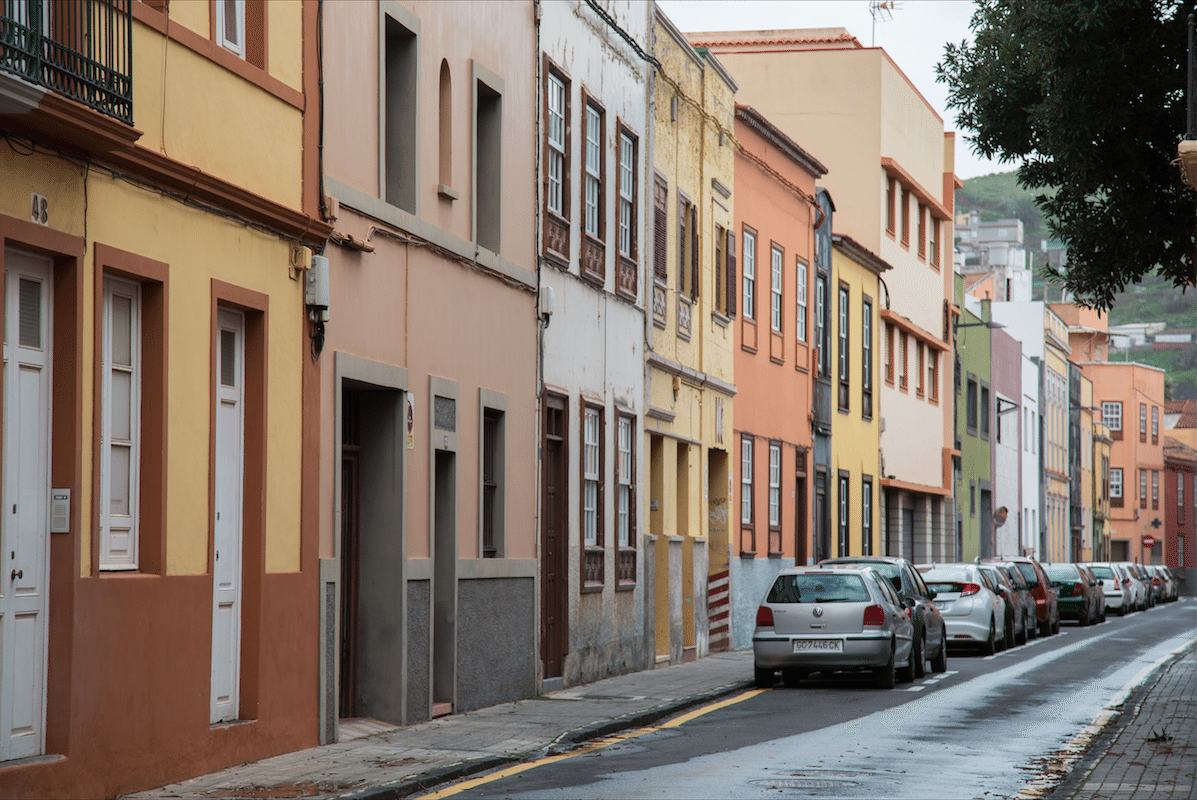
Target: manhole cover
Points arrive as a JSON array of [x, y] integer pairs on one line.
[[805, 783]]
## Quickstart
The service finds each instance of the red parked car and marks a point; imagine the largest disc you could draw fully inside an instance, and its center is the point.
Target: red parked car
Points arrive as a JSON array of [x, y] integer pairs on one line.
[[1047, 609]]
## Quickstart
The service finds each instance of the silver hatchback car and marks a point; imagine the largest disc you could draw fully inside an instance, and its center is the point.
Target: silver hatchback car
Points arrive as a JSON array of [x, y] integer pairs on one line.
[[821, 620]]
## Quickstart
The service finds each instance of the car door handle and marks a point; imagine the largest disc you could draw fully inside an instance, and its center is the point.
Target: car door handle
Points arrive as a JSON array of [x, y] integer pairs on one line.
[[17, 573]]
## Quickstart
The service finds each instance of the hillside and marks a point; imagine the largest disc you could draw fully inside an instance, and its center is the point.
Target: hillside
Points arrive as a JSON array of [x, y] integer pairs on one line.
[[1153, 299]]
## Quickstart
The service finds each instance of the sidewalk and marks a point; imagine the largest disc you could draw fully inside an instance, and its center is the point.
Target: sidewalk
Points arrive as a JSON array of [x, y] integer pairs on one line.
[[1150, 749], [405, 761]]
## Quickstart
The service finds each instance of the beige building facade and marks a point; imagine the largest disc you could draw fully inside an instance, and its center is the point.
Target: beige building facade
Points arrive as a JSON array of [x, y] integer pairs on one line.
[[891, 174]]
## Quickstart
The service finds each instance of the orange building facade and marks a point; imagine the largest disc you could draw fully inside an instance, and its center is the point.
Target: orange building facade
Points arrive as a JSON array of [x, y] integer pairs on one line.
[[1131, 398], [775, 219]]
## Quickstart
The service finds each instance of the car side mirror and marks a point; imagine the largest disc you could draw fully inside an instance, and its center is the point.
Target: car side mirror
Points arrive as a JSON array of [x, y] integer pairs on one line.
[[932, 594]]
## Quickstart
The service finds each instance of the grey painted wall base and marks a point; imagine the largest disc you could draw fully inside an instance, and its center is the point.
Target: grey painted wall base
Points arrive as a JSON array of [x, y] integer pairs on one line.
[[419, 656], [496, 641], [750, 578]]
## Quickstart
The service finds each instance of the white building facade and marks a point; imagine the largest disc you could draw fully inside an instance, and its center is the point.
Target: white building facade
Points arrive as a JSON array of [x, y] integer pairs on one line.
[[594, 160]]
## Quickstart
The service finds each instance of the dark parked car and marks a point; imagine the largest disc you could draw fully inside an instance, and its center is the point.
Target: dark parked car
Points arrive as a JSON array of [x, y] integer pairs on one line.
[[1015, 634], [930, 631], [1077, 595], [1047, 610], [1099, 588], [1030, 630]]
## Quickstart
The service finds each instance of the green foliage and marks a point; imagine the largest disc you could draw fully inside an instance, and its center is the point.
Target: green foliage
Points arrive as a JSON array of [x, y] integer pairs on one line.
[[1089, 96]]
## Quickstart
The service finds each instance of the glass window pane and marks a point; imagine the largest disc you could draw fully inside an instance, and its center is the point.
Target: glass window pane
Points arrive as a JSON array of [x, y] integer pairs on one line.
[[121, 407], [29, 315], [122, 330], [119, 475], [228, 358]]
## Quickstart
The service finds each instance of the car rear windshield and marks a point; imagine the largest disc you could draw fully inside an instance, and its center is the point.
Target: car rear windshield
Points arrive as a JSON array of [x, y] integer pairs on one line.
[[1061, 572], [947, 580], [818, 588], [1103, 572], [1028, 573]]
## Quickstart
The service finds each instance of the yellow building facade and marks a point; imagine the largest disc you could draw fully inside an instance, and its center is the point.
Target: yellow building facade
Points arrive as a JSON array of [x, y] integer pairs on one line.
[[689, 374], [1055, 526], [155, 243], [855, 428]]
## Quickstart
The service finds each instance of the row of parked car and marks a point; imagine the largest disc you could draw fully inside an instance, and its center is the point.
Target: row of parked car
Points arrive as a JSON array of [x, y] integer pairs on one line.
[[892, 618]]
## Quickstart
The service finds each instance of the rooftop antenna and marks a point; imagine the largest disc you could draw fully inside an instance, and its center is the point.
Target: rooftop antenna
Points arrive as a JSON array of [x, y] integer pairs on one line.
[[883, 9]]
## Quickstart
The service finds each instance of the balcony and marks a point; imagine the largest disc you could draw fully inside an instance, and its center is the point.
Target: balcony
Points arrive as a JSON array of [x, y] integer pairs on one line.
[[82, 50]]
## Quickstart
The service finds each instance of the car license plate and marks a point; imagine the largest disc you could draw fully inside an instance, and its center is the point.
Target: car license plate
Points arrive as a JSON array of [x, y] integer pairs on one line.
[[829, 645]]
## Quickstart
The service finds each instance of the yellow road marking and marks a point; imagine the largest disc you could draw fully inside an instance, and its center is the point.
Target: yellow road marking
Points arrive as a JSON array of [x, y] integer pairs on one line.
[[507, 772]]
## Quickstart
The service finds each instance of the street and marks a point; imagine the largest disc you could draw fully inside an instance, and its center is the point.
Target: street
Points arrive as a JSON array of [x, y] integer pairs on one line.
[[986, 728]]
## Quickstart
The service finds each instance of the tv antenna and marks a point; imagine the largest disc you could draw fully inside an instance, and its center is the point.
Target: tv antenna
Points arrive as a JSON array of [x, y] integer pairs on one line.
[[883, 9]]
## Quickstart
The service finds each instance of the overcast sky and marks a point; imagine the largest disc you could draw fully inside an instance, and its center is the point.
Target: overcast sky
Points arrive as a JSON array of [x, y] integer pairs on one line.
[[914, 37]]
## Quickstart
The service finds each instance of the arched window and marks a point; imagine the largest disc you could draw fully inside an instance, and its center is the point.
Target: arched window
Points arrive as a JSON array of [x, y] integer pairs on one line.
[[446, 126]]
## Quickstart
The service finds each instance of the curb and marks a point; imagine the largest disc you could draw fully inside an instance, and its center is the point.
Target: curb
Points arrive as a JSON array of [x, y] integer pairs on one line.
[[426, 781]]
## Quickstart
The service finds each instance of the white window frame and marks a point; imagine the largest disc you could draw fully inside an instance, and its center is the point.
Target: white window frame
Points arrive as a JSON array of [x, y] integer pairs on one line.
[[801, 287], [627, 181], [774, 485], [749, 274], [590, 476], [866, 516], [124, 525], [556, 144], [594, 167], [778, 271], [746, 447], [624, 480], [237, 47]]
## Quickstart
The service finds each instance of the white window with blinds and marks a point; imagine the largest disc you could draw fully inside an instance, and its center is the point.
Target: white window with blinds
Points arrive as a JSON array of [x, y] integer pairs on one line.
[[801, 291], [774, 485], [624, 521], [749, 274], [120, 432], [746, 481], [556, 142], [594, 175], [230, 26], [775, 294], [590, 477], [627, 182]]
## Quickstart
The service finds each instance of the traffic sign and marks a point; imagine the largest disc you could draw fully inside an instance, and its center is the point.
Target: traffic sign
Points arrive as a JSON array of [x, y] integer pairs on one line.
[[1149, 541]]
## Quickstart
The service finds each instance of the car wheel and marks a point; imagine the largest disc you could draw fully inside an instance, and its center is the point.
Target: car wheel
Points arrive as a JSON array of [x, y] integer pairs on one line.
[[1032, 628], [1056, 625], [1021, 639], [1083, 619], [989, 646], [1009, 638], [905, 673], [919, 649], [940, 662], [792, 677], [886, 676], [1046, 628], [764, 678], [1122, 609]]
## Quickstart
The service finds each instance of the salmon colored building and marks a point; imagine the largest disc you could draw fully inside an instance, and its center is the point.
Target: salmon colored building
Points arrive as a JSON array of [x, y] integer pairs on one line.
[[1131, 397], [427, 369], [776, 213], [158, 610], [1180, 507]]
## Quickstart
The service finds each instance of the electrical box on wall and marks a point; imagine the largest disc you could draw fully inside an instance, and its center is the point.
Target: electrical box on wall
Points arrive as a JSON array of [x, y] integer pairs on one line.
[[316, 293], [60, 511]]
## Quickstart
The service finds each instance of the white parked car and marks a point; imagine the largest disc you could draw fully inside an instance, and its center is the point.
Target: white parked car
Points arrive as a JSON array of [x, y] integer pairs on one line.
[[973, 610], [1119, 596]]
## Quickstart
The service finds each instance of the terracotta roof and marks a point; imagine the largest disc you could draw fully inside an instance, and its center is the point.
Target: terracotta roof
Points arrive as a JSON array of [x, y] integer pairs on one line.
[[1187, 410], [799, 36], [1175, 452], [976, 279]]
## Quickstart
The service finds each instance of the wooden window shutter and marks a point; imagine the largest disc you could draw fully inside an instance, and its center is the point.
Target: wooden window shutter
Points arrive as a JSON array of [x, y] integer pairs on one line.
[[718, 267], [693, 252], [660, 230], [730, 249], [683, 216], [255, 33]]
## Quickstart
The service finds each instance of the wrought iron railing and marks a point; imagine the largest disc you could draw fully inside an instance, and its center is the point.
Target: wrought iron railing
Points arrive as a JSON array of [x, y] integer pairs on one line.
[[82, 49]]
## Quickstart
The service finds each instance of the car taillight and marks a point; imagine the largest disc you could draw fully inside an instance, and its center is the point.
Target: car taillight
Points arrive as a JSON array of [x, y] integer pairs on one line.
[[1078, 589], [1126, 581], [874, 615], [969, 589], [764, 617]]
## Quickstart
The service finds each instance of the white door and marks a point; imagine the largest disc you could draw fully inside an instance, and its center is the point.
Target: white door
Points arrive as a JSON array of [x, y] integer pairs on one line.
[[226, 577], [24, 521]]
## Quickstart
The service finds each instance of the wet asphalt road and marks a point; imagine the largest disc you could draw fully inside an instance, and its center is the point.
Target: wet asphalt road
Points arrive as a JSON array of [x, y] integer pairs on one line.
[[981, 730]]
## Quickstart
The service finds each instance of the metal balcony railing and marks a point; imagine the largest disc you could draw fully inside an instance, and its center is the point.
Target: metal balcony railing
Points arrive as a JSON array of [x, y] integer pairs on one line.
[[82, 49]]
